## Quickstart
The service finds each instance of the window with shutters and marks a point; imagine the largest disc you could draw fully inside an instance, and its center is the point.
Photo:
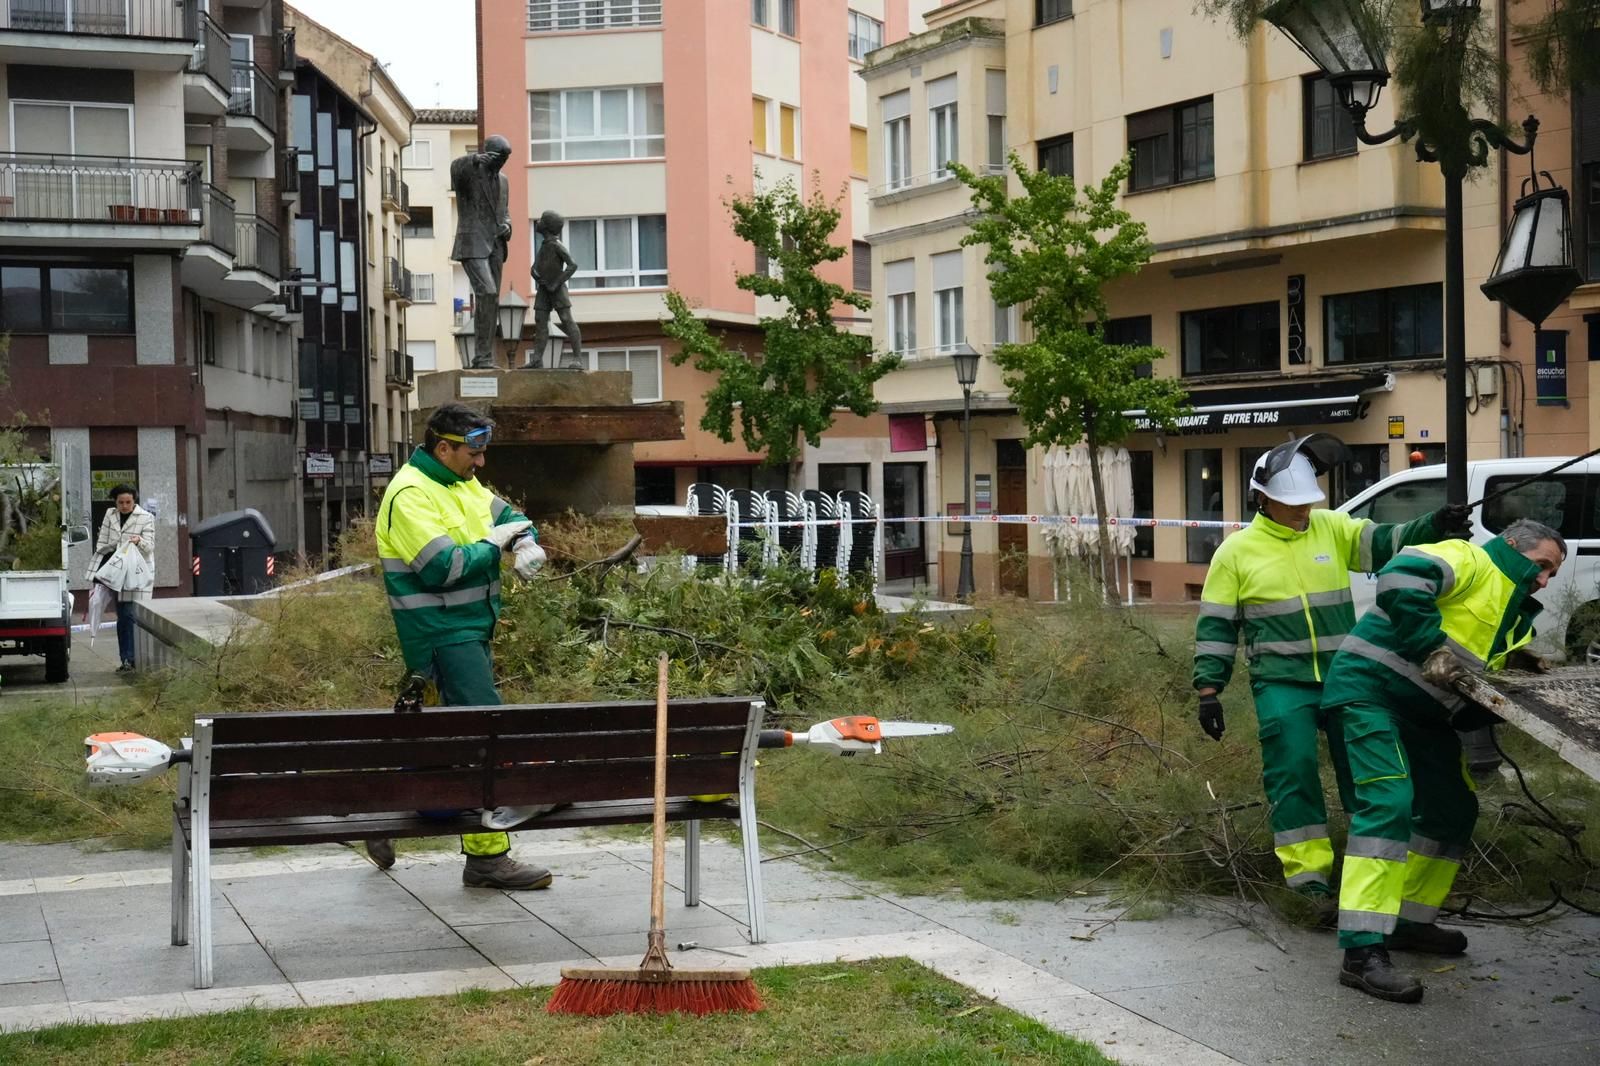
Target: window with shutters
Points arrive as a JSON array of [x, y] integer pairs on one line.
[[995, 94], [943, 141], [861, 266], [1172, 145], [897, 139], [949, 316], [788, 132], [900, 277], [858, 150]]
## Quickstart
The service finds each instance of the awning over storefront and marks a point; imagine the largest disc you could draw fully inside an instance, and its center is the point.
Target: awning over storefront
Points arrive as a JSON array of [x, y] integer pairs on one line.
[[1316, 402]]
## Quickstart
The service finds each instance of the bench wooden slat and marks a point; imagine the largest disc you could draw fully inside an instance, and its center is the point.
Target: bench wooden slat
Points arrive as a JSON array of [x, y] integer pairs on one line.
[[397, 825], [469, 751], [454, 722], [367, 791]]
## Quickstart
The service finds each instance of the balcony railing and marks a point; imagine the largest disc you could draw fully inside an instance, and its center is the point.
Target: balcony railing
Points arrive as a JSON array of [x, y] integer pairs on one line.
[[260, 247], [396, 280], [172, 20], [68, 188], [555, 16], [211, 53], [254, 94], [396, 193], [217, 221], [401, 370]]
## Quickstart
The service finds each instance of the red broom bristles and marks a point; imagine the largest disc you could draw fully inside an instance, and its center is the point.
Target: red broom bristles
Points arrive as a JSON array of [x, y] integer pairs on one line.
[[624, 996]]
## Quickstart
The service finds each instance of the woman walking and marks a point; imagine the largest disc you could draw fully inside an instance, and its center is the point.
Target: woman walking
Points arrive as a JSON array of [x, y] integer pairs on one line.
[[127, 523]]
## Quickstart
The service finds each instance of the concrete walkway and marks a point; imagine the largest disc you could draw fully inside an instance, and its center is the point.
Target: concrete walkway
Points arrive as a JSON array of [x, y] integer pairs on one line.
[[83, 936]]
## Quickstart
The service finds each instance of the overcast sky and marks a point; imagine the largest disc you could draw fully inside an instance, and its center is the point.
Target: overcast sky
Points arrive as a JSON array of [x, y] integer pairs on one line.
[[427, 45]]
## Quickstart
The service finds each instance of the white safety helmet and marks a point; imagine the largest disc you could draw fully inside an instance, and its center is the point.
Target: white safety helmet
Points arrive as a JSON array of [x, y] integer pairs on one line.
[[1292, 486]]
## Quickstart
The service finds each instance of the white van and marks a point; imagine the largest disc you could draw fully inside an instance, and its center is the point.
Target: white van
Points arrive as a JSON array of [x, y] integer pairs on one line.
[[1568, 502]]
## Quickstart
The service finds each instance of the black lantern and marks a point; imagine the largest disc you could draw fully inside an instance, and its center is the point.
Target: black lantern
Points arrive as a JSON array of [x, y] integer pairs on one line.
[[1344, 40], [1449, 10], [1534, 272], [966, 361]]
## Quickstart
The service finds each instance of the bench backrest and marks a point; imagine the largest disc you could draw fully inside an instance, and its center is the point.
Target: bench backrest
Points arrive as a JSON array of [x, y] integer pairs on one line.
[[280, 764]]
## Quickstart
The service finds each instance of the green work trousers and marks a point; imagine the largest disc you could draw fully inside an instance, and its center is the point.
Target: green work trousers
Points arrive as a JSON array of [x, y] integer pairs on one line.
[[1289, 716], [1415, 806], [465, 676]]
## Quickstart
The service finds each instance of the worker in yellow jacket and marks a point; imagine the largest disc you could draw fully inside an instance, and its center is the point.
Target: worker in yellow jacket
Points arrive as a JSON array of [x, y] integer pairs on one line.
[[1283, 584]]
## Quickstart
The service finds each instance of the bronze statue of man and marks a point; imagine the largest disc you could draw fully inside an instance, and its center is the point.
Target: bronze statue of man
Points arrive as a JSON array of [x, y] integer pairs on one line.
[[553, 267], [483, 233]]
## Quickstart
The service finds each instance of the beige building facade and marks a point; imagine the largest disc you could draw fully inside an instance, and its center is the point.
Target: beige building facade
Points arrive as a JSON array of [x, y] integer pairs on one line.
[[440, 297], [1296, 285]]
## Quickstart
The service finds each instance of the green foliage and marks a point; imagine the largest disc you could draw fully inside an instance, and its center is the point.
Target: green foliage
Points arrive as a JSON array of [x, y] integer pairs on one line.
[[30, 511], [1563, 48], [808, 368]]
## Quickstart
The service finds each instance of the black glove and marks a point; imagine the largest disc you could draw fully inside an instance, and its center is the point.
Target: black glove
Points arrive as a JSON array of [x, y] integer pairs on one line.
[[1211, 716], [1454, 521]]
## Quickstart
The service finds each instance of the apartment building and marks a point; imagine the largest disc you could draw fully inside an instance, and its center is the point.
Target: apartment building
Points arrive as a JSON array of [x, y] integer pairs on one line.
[[137, 259], [636, 120], [1296, 285], [441, 299], [1558, 395], [348, 124]]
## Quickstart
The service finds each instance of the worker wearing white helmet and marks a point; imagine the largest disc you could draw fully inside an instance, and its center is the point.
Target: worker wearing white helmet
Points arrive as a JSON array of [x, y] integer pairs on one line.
[[1284, 583]]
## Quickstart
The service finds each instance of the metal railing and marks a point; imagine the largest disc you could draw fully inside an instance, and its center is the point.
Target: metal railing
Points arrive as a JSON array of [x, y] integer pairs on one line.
[[172, 20], [396, 193], [259, 246], [401, 369], [555, 16], [211, 53], [396, 280], [254, 95], [217, 221], [67, 188]]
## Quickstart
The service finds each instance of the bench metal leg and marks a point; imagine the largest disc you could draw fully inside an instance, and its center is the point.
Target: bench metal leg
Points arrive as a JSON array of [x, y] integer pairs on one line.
[[181, 861], [691, 864], [200, 848], [755, 898]]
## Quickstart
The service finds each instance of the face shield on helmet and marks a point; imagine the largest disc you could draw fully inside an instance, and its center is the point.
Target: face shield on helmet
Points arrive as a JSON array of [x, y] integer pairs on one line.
[[1289, 472]]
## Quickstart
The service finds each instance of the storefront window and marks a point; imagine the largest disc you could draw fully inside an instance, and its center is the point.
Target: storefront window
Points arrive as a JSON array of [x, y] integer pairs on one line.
[[1368, 465], [902, 498], [1247, 466], [1144, 502], [1202, 497], [834, 478]]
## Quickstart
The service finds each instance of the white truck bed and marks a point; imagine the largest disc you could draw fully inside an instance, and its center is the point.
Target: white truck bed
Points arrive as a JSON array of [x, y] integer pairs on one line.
[[31, 595]]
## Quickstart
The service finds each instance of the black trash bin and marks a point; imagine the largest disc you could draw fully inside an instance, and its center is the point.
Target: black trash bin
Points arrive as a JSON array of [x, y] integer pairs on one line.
[[232, 554]]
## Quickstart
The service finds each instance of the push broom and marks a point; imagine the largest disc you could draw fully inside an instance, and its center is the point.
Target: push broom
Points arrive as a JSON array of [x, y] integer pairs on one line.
[[655, 987]]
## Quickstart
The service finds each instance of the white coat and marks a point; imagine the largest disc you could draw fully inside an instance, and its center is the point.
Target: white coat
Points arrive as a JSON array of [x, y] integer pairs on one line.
[[114, 534]]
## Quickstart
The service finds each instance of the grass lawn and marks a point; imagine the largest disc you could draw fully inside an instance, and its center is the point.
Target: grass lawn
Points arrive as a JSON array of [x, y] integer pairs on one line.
[[890, 1011]]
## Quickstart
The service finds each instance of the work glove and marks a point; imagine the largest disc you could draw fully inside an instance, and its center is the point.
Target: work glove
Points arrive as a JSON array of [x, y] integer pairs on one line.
[[1443, 668], [1523, 659], [528, 557], [1454, 521], [501, 536], [1211, 716]]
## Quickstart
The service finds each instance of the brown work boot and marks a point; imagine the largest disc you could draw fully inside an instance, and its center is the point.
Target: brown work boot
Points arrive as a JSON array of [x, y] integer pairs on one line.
[[1370, 970], [381, 852], [1425, 938], [502, 871]]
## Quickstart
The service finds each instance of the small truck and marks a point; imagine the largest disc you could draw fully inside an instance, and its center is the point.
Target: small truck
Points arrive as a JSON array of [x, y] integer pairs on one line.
[[36, 605]]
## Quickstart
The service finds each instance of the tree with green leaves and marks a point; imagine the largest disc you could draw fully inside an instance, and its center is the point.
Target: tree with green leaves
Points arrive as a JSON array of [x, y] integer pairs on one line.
[[808, 368], [1052, 250]]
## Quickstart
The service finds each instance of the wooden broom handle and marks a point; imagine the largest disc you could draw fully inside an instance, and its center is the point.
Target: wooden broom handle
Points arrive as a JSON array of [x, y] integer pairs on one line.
[[658, 845]]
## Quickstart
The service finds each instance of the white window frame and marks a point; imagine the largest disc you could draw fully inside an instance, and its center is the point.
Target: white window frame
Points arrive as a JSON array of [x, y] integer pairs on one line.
[[897, 146], [638, 143], [411, 159], [866, 35], [417, 296], [634, 272], [949, 319], [592, 359], [761, 13], [416, 361], [903, 323], [565, 16], [942, 126]]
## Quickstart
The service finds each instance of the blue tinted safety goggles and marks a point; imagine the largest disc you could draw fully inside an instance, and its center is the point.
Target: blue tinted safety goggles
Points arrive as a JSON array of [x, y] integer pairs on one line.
[[475, 438]]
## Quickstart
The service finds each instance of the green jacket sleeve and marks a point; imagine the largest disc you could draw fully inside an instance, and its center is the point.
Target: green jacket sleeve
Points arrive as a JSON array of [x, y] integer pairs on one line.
[[1216, 631], [1409, 591], [1370, 545], [501, 512], [433, 555]]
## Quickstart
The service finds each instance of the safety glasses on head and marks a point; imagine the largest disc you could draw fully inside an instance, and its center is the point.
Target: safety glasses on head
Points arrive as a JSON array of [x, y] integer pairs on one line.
[[474, 438]]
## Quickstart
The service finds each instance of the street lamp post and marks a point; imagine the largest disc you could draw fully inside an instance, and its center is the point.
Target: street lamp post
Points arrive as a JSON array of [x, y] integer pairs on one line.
[[1344, 40], [512, 314], [966, 364]]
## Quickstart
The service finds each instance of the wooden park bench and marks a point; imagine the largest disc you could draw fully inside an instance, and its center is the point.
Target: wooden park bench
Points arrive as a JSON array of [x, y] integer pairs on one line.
[[310, 777]]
